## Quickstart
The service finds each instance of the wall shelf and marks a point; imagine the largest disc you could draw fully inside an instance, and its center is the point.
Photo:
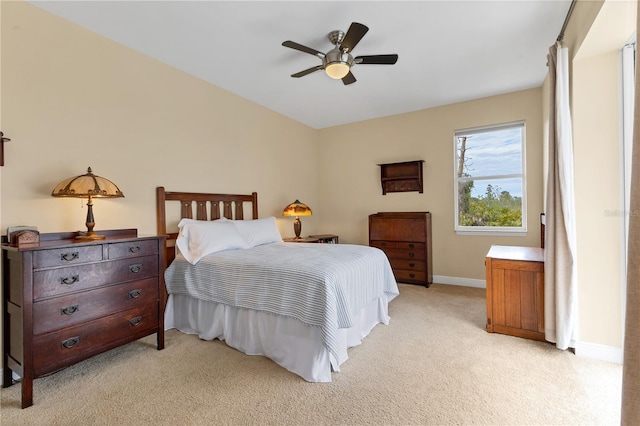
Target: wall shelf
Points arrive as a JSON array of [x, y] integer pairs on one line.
[[401, 177]]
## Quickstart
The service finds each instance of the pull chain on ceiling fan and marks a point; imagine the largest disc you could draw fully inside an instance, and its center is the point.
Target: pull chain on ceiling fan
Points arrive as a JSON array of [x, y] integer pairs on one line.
[[338, 61]]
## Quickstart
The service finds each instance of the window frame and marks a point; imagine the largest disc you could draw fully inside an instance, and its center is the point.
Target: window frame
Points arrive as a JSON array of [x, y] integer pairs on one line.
[[491, 230]]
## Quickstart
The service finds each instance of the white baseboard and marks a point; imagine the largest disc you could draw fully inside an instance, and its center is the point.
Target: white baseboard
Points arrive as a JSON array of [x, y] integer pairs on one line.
[[465, 282], [600, 352]]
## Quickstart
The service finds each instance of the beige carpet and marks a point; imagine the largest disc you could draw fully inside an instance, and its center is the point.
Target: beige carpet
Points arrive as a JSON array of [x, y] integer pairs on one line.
[[433, 364]]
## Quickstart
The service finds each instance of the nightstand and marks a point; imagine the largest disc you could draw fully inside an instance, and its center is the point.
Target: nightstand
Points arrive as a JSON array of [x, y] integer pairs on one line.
[[301, 240], [326, 238]]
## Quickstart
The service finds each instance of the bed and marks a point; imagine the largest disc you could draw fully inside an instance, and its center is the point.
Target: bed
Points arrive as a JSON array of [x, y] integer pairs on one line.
[[300, 304]]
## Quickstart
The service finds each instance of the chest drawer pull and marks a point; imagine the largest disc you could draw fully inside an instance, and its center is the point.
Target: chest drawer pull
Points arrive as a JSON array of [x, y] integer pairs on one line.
[[134, 249], [136, 268], [135, 321], [70, 280], [412, 275], [411, 245], [412, 265], [70, 256], [70, 342], [412, 254], [134, 294], [69, 310]]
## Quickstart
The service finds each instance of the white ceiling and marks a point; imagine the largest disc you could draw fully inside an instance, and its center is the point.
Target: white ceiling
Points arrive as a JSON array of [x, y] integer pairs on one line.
[[449, 51]]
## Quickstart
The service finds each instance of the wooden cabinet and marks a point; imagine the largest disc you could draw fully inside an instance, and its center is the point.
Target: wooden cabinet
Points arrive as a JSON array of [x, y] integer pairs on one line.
[[401, 177], [405, 237], [66, 300], [515, 291]]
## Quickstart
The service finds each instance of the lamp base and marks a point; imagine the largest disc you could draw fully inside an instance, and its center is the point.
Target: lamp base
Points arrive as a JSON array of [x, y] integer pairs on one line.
[[90, 236]]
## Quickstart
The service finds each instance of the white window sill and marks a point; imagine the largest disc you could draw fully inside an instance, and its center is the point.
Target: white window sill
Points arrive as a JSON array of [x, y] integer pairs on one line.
[[492, 233]]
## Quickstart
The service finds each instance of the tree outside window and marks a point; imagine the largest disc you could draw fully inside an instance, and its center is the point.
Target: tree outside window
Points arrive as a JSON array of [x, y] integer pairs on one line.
[[490, 179]]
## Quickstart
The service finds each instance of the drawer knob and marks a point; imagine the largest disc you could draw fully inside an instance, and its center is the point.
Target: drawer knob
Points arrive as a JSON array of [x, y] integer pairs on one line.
[[412, 265], [69, 310], [412, 254], [135, 268], [70, 280], [135, 321], [411, 245], [134, 249], [70, 256], [412, 275], [134, 294], [71, 342]]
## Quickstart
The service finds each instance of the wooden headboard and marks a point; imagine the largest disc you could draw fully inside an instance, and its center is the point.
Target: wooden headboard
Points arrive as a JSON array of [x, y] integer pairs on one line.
[[207, 206]]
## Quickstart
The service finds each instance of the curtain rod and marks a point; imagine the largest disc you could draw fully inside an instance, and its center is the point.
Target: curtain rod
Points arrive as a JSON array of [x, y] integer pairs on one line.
[[566, 20]]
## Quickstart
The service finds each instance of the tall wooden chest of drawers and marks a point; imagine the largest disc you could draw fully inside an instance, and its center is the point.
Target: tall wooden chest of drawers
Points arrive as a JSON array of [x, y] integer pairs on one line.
[[65, 300], [405, 237]]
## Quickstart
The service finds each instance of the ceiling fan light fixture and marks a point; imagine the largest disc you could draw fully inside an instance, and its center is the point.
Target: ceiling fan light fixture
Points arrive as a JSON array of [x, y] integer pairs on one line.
[[337, 70]]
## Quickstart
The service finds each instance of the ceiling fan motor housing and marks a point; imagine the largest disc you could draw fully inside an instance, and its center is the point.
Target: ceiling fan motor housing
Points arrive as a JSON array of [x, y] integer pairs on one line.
[[336, 56]]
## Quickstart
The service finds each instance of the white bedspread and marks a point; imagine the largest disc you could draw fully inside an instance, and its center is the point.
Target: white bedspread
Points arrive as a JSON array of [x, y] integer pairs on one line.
[[321, 285]]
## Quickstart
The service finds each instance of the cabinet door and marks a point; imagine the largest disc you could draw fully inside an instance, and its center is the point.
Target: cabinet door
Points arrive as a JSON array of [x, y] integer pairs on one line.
[[515, 298]]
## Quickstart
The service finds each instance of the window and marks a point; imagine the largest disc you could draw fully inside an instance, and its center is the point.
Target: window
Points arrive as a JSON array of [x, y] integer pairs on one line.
[[490, 180]]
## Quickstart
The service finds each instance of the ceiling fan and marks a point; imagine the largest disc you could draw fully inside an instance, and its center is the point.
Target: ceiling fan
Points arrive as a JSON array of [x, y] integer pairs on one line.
[[338, 61]]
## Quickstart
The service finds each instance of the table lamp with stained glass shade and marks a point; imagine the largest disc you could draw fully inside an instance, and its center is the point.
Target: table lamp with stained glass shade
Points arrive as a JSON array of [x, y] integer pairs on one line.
[[88, 186], [297, 209]]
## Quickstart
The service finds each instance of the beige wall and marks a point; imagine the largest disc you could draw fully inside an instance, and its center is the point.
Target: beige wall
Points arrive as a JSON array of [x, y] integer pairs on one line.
[[350, 181], [598, 194]]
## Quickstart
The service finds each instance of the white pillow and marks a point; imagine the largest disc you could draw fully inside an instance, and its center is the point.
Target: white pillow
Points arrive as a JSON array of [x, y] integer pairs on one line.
[[198, 238], [258, 231]]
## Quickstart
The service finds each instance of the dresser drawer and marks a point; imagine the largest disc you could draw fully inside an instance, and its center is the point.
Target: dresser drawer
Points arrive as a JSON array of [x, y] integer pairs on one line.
[[59, 281], [60, 348], [72, 309], [403, 275], [410, 246], [410, 265], [132, 249], [407, 254], [384, 244], [66, 256]]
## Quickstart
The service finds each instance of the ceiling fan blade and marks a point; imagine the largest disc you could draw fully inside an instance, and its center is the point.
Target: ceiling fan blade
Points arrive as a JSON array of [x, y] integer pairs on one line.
[[353, 36], [348, 79], [376, 59], [307, 71], [305, 49]]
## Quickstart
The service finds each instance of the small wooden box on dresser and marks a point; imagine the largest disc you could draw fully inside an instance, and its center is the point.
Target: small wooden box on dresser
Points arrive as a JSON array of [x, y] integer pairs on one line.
[[66, 300], [405, 237]]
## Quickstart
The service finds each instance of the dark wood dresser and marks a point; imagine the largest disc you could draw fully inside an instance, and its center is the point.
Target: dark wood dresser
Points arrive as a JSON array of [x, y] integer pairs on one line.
[[66, 300], [405, 237]]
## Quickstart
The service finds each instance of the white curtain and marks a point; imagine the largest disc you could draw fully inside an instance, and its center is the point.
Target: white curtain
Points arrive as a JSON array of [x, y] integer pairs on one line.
[[561, 288]]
